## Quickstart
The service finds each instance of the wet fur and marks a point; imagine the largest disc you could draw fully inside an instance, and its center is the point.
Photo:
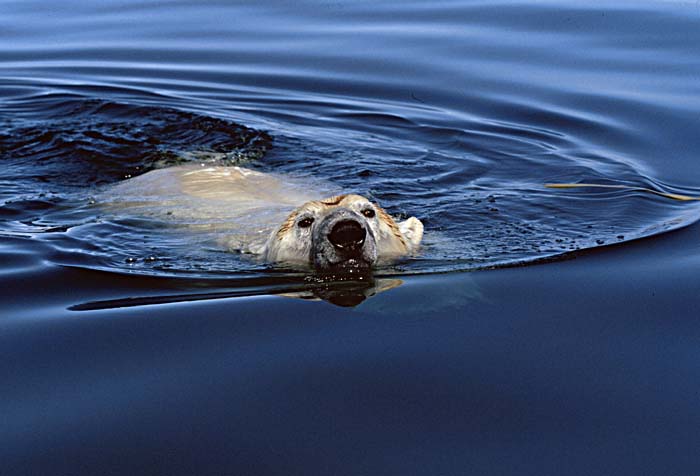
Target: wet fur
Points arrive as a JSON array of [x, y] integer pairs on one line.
[[250, 211], [291, 244]]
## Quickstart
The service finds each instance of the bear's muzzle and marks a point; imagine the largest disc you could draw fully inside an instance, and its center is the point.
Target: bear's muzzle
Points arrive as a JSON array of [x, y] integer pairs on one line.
[[343, 242]]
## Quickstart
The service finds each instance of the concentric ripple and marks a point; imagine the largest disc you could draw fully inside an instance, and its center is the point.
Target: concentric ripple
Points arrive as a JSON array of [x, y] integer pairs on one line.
[[479, 190], [458, 114]]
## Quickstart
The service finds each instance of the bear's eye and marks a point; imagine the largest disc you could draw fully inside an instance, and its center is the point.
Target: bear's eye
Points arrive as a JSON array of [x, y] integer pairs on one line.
[[305, 223], [368, 212]]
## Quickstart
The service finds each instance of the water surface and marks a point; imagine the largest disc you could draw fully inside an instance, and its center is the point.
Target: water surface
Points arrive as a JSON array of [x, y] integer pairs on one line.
[[133, 347], [450, 118]]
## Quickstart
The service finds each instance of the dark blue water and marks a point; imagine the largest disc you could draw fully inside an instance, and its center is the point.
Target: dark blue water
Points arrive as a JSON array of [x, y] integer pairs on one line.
[[539, 331]]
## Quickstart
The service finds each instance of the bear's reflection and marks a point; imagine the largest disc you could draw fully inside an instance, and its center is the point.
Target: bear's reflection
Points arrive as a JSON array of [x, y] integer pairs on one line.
[[339, 292], [349, 293]]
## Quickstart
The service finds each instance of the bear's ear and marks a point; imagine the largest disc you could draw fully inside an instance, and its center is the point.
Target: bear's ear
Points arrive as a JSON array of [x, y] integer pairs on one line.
[[412, 230]]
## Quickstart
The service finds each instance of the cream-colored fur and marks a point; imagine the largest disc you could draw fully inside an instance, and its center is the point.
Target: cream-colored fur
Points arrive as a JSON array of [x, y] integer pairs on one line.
[[291, 244], [251, 211]]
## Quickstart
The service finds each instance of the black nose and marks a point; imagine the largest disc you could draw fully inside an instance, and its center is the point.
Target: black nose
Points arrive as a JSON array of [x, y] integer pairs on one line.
[[347, 235]]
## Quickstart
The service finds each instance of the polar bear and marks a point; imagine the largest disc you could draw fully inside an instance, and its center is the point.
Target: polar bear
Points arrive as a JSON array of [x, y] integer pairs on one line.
[[344, 232], [278, 219]]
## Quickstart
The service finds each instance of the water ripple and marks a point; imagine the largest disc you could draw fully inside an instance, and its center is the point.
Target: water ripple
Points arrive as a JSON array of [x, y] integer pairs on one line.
[[444, 112]]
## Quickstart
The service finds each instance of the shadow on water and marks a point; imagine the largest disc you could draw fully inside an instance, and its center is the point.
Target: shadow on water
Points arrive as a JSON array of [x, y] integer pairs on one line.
[[340, 293]]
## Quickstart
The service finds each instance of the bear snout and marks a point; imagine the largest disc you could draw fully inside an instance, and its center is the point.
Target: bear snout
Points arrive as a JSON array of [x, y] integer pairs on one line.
[[342, 242], [348, 236]]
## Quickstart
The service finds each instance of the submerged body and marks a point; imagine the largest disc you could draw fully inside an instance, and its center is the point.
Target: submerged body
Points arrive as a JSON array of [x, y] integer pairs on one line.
[[279, 219]]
